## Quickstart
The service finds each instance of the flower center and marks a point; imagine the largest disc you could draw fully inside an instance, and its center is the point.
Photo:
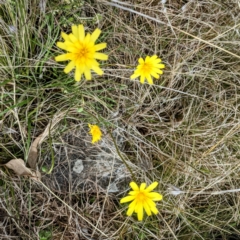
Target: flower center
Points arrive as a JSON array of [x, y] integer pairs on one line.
[[141, 196], [83, 52], [95, 130], [147, 67]]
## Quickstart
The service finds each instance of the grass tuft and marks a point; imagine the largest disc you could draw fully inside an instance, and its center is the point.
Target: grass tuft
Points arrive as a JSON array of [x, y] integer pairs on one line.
[[182, 131]]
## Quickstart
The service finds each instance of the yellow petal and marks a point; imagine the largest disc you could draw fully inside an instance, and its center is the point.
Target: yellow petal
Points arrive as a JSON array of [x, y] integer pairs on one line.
[[139, 209], [96, 138], [156, 61], [90, 62], [138, 70], [95, 63], [151, 186], [154, 57], [147, 208], [142, 186], [100, 46], [81, 32], [142, 79], [88, 75], [159, 65], [97, 70], [68, 46], [132, 193], [87, 39], [100, 56], [154, 196], [78, 74], [134, 186], [154, 74], [158, 71], [131, 208], [72, 37], [150, 203], [62, 45], [65, 36], [95, 34], [69, 67], [63, 57], [75, 31], [80, 63], [149, 79], [127, 199], [140, 60], [147, 59], [154, 210], [135, 75]]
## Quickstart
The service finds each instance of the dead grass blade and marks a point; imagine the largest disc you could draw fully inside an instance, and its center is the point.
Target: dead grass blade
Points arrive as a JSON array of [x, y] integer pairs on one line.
[[173, 27]]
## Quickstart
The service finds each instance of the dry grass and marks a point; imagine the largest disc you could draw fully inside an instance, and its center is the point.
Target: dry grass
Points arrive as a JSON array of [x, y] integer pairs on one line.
[[182, 132]]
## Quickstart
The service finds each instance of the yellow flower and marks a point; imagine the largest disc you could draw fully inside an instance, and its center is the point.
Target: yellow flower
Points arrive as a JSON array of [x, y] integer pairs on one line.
[[95, 132], [82, 52], [142, 198], [147, 68]]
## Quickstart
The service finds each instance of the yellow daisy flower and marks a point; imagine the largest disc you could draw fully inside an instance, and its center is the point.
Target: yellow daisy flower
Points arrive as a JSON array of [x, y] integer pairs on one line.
[[95, 132], [147, 68], [82, 52], [142, 198]]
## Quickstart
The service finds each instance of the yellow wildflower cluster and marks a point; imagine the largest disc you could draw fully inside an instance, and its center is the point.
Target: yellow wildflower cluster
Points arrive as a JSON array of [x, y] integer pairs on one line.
[[82, 54]]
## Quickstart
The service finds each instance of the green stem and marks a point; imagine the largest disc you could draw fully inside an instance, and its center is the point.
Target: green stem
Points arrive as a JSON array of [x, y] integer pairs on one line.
[[115, 144]]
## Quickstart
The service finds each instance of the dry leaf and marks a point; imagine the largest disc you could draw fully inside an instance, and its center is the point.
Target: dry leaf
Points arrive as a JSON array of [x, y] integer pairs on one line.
[[18, 166], [33, 153]]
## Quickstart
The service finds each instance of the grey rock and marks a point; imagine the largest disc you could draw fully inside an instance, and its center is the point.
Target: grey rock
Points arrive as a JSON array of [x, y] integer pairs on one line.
[[80, 166]]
